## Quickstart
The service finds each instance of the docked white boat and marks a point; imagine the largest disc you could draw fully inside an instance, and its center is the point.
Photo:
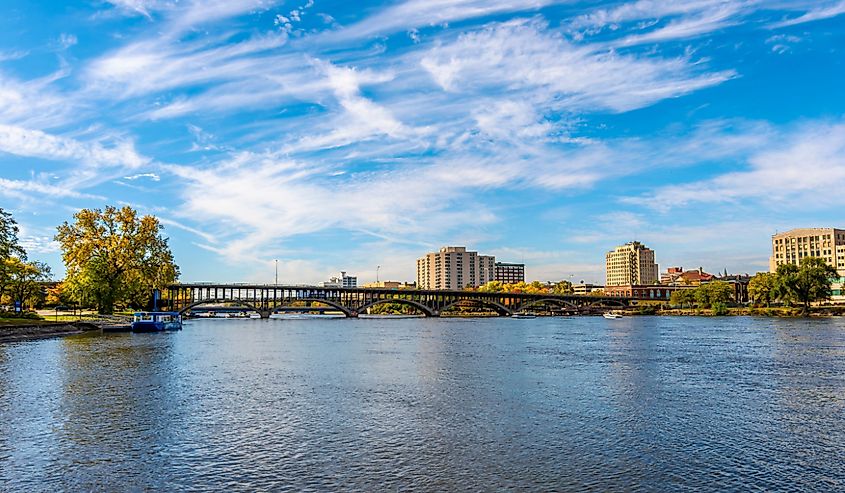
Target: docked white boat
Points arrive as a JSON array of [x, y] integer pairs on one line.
[[611, 316], [523, 315]]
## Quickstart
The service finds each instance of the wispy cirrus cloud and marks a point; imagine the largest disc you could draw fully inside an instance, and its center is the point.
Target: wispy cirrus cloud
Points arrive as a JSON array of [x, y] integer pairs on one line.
[[35, 143], [818, 13], [523, 55], [34, 103], [795, 166], [421, 13]]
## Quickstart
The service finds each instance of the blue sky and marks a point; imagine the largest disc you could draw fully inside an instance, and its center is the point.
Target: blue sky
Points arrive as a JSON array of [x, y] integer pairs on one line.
[[336, 135]]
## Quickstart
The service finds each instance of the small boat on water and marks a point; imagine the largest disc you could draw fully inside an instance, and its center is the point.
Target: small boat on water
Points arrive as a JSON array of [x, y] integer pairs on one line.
[[611, 315], [156, 321], [523, 315]]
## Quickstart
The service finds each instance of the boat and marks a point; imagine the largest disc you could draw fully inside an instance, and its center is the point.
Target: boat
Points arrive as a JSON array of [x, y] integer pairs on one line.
[[156, 321], [611, 315], [523, 315]]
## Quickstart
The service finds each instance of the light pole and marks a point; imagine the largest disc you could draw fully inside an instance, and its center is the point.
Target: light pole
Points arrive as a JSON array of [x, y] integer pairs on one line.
[[277, 272], [377, 269]]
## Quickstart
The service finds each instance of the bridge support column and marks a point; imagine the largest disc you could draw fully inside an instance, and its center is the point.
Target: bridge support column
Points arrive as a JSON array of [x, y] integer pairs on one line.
[[264, 313]]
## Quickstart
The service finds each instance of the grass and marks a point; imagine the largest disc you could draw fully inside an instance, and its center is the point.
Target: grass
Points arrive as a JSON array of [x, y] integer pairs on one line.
[[12, 322]]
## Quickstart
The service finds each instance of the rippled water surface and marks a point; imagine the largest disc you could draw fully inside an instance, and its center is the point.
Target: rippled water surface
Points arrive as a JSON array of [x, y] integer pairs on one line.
[[649, 403]]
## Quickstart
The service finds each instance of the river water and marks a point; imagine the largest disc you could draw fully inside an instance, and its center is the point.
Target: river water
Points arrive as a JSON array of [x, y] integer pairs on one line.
[[546, 404]]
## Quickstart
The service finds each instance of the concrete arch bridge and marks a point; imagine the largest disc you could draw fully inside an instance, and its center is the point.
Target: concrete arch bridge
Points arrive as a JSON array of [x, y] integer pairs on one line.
[[267, 299]]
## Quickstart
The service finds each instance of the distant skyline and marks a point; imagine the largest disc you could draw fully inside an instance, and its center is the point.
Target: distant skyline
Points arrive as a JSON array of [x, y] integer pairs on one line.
[[336, 135]]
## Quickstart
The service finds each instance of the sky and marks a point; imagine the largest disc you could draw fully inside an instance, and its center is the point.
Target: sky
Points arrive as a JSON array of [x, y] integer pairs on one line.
[[357, 136]]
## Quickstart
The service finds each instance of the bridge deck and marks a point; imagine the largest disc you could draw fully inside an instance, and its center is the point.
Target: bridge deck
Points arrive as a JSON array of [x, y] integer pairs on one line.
[[266, 298]]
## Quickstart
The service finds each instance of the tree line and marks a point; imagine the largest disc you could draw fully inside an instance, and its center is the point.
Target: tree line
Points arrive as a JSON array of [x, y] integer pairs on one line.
[[113, 258], [802, 285], [534, 287], [20, 279]]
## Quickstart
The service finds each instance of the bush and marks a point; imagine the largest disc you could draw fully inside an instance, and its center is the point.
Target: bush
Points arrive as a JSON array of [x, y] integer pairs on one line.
[[720, 309], [647, 310]]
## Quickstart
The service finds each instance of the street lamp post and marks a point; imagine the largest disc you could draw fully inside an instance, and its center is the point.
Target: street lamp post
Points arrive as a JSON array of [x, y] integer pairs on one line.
[[277, 272], [377, 269]]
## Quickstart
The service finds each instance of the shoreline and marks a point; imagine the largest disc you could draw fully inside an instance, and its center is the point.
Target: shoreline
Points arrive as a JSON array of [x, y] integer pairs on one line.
[[32, 332]]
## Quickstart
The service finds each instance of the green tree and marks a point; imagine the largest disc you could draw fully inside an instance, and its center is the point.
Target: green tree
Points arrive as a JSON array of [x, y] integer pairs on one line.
[[762, 288], [718, 292], [113, 256], [9, 246], [806, 283], [26, 281], [563, 288], [10, 250], [682, 297]]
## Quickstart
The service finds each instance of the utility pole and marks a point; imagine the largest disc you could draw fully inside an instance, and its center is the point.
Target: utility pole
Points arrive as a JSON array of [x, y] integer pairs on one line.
[[277, 271]]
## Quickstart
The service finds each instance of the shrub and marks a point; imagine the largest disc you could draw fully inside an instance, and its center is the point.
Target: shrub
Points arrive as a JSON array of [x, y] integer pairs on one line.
[[720, 309], [647, 310]]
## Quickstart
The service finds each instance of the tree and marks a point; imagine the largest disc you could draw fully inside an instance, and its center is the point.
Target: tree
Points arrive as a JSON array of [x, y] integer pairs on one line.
[[26, 281], [806, 283], [563, 288], [492, 287], [682, 297], [57, 296], [113, 256], [762, 288], [718, 292], [9, 248]]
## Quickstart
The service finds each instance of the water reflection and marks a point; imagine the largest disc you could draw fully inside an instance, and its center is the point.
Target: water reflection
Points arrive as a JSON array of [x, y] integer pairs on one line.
[[543, 404]]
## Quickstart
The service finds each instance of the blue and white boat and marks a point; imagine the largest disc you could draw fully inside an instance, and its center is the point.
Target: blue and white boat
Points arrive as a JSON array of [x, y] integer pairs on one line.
[[156, 321]]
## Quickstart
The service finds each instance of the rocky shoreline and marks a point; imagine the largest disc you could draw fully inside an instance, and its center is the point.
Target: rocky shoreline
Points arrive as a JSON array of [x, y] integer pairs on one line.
[[28, 332]]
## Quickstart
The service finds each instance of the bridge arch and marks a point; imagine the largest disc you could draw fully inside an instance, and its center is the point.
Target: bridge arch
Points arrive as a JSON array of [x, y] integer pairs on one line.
[[497, 307], [345, 310], [243, 304], [419, 306], [606, 302], [556, 301]]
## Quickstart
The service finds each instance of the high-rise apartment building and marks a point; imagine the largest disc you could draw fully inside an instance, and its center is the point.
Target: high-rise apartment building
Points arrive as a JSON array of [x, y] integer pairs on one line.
[[792, 246], [509, 273], [630, 264], [454, 268]]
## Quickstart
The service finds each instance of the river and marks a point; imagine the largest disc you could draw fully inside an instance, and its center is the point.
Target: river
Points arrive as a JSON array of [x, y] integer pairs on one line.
[[545, 404]]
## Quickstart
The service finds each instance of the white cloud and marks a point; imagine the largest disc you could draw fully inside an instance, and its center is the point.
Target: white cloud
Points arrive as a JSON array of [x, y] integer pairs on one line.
[[35, 143], [422, 13], [151, 176], [688, 27], [612, 18], [819, 13], [801, 168], [523, 56], [34, 103], [67, 40]]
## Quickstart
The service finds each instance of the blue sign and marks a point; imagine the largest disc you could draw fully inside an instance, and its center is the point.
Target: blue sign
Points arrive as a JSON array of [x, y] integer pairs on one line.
[[18, 306]]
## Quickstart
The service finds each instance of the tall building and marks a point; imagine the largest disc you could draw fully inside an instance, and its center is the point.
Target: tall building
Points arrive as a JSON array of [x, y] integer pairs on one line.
[[343, 281], [630, 264], [509, 273], [790, 247], [454, 268]]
